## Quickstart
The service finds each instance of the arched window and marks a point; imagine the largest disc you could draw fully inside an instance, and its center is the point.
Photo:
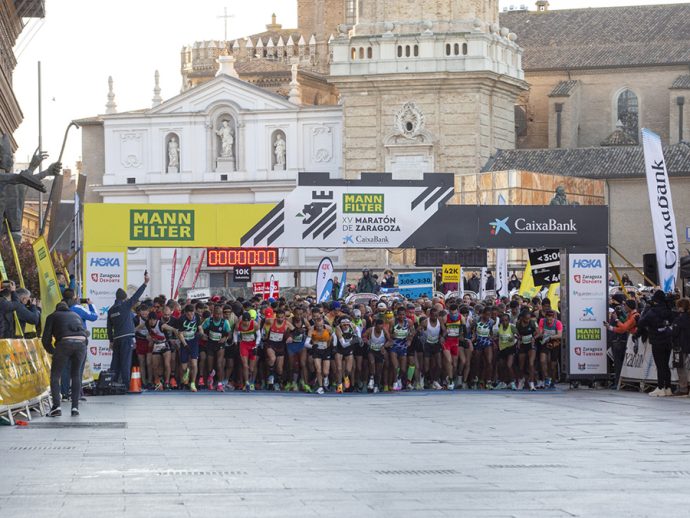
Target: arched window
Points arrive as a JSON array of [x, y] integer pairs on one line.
[[354, 53], [361, 52], [416, 50], [456, 49], [447, 49], [628, 112], [399, 51], [370, 53], [464, 49], [407, 51]]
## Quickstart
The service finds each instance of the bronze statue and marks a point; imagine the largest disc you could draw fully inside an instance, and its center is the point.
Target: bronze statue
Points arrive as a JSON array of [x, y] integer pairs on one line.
[[559, 198], [13, 186]]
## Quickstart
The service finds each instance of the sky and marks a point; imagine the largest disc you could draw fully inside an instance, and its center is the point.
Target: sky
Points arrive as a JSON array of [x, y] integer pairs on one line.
[[81, 42]]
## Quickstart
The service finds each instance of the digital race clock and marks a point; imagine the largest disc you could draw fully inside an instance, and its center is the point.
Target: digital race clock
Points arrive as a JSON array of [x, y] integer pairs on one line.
[[229, 257]]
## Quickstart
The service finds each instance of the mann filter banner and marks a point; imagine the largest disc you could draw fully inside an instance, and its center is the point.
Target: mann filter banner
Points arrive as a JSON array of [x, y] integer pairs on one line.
[[661, 205], [105, 273], [374, 212], [588, 310]]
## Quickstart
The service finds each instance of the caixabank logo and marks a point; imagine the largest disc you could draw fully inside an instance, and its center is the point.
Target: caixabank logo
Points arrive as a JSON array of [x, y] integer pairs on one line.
[[531, 226]]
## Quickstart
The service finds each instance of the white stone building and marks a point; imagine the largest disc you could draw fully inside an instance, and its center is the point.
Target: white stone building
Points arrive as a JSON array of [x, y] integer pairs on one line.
[[226, 141]]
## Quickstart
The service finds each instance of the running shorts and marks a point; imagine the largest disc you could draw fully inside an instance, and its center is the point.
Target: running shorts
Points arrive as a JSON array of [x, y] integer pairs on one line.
[[248, 350], [430, 349], [452, 344], [322, 354], [191, 351]]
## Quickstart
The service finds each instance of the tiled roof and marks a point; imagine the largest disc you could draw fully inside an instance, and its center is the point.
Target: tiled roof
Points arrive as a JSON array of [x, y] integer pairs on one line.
[[619, 138], [591, 162], [602, 37], [564, 88], [261, 65], [681, 82]]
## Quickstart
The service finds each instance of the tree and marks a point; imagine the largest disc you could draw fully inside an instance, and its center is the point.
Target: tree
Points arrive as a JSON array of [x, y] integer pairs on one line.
[[27, 262]]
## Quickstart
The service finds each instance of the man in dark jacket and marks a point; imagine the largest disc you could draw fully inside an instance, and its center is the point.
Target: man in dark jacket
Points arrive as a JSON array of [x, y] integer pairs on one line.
[[70, 344], [121, 332], [366, 284], [656, 323], [11, 303]]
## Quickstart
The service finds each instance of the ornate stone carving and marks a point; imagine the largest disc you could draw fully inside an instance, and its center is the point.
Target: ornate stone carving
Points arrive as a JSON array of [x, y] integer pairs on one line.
[[322, 144], [130, 150], [409, 121]]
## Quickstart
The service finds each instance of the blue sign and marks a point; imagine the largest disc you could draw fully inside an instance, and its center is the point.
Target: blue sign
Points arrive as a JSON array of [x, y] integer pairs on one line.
[[416, 284]]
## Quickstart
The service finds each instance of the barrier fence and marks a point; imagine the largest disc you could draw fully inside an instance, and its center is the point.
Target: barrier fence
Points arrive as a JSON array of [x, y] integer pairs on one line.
[[24, 378]]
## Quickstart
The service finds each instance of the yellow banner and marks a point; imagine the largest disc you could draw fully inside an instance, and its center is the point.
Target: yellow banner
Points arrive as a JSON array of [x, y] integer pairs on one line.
[[116, 226], [50, 290], [554, 295], [527, 287], [450, 273], [3, 271], [24, 370]]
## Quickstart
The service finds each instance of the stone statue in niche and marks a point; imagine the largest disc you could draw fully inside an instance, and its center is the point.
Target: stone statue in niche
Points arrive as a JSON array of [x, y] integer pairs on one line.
[[225, 163], [227, 140], [279, 149], [173, 156]]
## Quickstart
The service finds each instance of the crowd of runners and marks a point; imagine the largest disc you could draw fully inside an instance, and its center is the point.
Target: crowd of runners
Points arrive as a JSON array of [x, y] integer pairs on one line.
[[379, 345]]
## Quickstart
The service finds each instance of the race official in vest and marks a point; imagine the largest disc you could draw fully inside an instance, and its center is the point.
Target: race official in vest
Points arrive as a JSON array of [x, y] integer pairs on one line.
[[121, 332]]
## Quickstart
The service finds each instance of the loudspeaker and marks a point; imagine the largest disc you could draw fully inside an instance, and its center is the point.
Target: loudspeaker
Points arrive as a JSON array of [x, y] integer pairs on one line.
[[649, 268]]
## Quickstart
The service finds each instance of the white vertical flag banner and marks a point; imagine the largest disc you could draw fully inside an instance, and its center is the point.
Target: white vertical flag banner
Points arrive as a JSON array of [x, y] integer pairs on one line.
[[661, 205], [324, 273], [501, 263], [482, 284]]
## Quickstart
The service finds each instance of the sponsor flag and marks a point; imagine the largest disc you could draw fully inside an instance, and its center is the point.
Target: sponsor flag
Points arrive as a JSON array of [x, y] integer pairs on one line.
[[172, 275], [661, 205], [183, 275], [272, 287], [324, 273], [527, 287], [554, 294], [198, 268], [343, 279], [501, 263], [47, 281], [3, 271], [482, 284]]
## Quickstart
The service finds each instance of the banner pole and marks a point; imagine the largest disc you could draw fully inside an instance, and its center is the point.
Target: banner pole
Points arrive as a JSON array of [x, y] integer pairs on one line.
[[618, 278]]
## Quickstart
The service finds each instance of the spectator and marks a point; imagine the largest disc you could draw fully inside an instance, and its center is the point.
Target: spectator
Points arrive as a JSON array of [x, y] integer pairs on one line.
[[490, 282], [335, 293], [625, 280], [366, 284], [63, 282], [9, 304], [70, 343], [120, 329], [86, 314], [474, 283], [621, 330], [656, 322], [514, 283], [681, 343], [388, 279], [30, 312]]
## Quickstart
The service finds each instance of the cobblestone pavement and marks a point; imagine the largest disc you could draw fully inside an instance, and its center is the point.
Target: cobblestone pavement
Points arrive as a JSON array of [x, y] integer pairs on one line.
[[564, 453]]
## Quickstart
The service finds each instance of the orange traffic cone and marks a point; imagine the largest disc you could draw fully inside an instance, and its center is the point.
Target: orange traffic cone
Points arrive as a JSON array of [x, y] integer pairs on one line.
[[135, 381]]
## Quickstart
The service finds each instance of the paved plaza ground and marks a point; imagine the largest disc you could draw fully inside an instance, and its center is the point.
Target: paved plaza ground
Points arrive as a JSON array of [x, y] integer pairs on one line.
[[564, 453]]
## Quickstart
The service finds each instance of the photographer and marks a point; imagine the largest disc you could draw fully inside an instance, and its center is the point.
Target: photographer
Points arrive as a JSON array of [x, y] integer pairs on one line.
[[69, 333], [13, 299], [85, 310], [656, 323], [625, 324]]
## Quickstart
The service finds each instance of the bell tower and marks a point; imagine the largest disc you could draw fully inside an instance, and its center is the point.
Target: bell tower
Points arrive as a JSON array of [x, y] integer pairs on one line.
[[426, 86]]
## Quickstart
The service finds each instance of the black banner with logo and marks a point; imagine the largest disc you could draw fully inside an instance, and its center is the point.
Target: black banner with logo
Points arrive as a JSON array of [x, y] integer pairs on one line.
[[514, 226]]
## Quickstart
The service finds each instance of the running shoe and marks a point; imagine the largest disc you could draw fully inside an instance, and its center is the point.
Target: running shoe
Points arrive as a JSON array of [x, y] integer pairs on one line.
[[451, 386], [436, 385], [501, 386], [376, 389], [306, 388], [271, 379], [295, 387], [370, 386], [173, 383], [246, 387], [230, 387], [201, 382], [320, 390], [192, 386], [159, 387], [386, 388], [252, 388], [532, 388], [288, 386], [397, 386], [166, 386], [346, 382], [410, 386], [54, 412], [521, 384], [219, 387], [209, 383], [276, 387], [668, 392], [419, 386], [326, 383], [185, 377], [547, 383], [513, 386], [540, 384], [75, 412], [339, 388]]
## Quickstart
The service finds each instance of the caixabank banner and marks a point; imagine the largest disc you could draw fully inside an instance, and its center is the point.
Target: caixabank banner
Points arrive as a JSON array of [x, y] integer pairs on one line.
[[588, 287]]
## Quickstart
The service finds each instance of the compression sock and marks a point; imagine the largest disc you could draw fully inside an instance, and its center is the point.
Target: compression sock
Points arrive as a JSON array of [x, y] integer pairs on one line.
[[410, 372]]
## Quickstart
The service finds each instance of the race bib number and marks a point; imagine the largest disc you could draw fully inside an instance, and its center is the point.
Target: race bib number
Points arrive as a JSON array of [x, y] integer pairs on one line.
[[321, 345], [248, 337], [159, 346], [454, 331], [527, 339], [214, 336], [188, 335], [275, 337]]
